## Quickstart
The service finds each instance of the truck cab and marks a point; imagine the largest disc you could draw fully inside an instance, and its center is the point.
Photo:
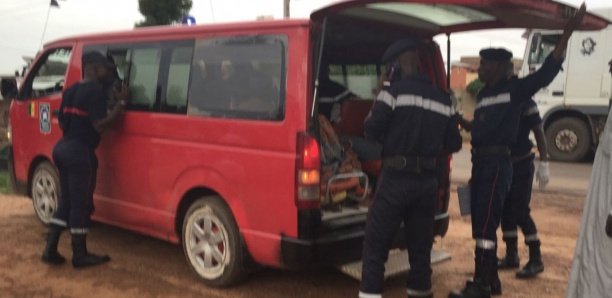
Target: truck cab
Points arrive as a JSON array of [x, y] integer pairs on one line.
[[574, 106]]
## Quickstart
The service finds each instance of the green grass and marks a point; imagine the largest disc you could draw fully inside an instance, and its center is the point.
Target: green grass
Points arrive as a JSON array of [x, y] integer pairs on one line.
[[5, 187]]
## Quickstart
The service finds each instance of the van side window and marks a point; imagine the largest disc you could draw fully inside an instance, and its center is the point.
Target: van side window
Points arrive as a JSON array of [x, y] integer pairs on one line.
[[240, 77], [48, 74], [178, 79], [143, 79]]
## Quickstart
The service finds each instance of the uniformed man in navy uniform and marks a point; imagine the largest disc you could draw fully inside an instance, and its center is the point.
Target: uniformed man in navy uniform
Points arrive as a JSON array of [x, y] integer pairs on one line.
[[415, 122], [516, 206], [83, 116], [494, 130]]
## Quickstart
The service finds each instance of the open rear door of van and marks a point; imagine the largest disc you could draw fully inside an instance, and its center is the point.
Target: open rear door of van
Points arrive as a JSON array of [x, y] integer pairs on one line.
[[362, 21], [432, 17]]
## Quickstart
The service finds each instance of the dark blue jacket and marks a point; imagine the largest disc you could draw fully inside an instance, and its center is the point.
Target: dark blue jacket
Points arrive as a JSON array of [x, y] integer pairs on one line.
[[413, 118], [498, 107]]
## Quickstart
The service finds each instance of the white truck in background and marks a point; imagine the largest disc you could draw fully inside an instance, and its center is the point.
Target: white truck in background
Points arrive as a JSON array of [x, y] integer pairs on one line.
[[574, 106]]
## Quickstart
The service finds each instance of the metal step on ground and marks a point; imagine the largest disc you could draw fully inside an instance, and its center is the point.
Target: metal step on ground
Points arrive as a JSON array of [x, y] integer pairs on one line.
[[396, 264]]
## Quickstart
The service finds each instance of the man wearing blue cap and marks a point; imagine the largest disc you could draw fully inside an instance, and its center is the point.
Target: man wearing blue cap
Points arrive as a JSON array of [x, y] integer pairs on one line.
[[82, 117], [415, 122], [494, 130]]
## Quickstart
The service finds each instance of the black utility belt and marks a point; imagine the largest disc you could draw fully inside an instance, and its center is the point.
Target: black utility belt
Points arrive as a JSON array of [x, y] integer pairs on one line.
[[415, 164], [527, 156], [484, 151]]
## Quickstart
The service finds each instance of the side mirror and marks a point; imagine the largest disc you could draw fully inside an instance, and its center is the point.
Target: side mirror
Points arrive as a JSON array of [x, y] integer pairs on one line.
[[8, 88]]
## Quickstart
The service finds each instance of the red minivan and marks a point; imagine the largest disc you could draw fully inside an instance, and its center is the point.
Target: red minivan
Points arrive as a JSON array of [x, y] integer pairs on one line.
[[219, 148]]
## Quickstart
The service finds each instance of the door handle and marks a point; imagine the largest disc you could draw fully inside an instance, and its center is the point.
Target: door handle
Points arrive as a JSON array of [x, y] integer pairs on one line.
[[557, 93]]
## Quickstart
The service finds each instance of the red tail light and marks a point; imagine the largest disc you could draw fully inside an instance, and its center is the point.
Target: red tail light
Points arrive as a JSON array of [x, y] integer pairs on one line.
[[307, 176]]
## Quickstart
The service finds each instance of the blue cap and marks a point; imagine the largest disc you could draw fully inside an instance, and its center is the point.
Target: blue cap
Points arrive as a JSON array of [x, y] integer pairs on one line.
[[496, 54], [398, 47]]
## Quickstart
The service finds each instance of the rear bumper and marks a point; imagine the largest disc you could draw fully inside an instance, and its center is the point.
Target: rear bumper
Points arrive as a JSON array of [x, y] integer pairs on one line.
[[332, 249]]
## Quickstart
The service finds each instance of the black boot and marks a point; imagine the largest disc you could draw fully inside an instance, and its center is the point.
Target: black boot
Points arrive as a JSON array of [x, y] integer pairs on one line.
[[473, 289], [480, 287], [80, 257], [511, 260], [496, 288], [51, 255], [535, 265]]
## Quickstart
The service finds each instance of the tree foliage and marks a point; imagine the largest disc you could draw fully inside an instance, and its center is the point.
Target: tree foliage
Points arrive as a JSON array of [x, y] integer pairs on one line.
[[474, 87], [162, 12]]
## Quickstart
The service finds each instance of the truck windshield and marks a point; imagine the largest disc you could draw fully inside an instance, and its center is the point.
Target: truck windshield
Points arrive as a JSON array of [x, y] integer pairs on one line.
[[541, 46]]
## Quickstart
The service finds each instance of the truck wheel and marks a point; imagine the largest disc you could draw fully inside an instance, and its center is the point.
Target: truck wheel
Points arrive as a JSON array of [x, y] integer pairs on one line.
[[45, 190], [569, 139], [212, 243]]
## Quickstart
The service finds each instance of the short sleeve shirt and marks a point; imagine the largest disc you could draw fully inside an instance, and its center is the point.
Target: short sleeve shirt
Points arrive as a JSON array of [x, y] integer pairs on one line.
[[82, 105]]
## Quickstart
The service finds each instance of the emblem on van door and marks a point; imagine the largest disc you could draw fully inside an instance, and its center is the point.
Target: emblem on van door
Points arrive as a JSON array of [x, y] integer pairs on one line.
[[44, 118], [588, 46]]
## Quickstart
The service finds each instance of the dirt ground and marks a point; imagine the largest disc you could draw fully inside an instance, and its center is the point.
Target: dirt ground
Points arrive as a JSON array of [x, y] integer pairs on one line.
[[145, 267]]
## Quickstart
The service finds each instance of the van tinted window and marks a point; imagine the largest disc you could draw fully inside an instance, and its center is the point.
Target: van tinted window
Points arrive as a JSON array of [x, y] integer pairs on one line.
[[178, 79], [240, 77], [143, 79]]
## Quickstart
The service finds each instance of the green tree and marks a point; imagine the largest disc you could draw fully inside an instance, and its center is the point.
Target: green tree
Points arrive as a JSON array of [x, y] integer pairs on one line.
[[474, 87], [162, 12]]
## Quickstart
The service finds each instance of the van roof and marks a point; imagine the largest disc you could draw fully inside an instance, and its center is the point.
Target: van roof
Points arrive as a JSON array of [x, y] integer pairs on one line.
[[173, 30]]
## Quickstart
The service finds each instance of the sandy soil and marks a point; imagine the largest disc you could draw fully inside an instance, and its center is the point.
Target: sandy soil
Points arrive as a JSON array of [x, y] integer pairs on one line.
[[145, 267]]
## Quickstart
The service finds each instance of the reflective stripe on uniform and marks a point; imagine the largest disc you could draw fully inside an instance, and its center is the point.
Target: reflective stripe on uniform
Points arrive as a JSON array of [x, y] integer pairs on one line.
[[419, 293], [58, 222], [485, 244], [79, 231], [510, 234], [531, 238], [366, 295], [409, 100], [495, 100]]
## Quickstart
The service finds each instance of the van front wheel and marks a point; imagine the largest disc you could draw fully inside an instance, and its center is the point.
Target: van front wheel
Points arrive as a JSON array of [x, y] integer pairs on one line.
[[212, 243], [45, 190]]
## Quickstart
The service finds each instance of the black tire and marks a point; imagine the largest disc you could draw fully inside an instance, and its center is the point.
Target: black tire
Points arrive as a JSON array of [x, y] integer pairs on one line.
[[232, 268], [45, 191], [569, 139]]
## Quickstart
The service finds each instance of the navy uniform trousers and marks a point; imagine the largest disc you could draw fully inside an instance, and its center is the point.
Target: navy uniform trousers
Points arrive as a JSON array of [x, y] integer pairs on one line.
[[491, 178], [77, 164], [401, 196], [516, 207]]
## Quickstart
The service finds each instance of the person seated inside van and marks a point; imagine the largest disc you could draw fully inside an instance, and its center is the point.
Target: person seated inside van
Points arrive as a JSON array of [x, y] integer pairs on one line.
[[210, 93], [331, 95], [254, 91]]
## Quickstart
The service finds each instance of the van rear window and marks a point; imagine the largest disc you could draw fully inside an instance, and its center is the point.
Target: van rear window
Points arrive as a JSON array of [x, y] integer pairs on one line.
[[239, 77]]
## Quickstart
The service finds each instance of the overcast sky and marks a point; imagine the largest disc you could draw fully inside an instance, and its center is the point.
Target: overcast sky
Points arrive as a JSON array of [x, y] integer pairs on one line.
[[22, 23]]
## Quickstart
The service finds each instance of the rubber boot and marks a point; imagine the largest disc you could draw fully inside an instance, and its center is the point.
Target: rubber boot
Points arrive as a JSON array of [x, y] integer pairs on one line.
[[51, 255], [535, 265], [496, 288], [80, 257], [511, 260], [479, 288]]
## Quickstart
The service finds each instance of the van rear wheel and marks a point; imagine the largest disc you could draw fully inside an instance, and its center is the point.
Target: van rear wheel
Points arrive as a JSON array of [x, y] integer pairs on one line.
[[45, 191], [212, 243]]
